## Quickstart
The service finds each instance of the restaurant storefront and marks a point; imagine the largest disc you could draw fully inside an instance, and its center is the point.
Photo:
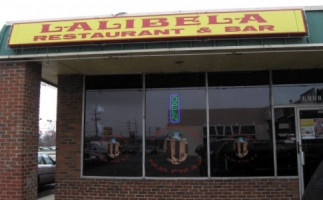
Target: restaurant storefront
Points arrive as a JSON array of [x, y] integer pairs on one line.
[[216, 124], [207, 105]]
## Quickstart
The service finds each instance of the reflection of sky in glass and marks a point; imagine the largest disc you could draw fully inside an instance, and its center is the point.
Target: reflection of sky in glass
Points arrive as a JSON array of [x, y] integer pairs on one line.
[[289, 94], [238, 97], [121, 110]]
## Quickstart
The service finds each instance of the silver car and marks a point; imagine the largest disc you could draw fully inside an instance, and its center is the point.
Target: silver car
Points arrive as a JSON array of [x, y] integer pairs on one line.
[[46, 169]]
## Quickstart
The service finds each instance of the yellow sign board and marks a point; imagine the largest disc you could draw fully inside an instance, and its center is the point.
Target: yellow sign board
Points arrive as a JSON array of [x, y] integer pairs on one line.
[[188, 25], [307, 122]]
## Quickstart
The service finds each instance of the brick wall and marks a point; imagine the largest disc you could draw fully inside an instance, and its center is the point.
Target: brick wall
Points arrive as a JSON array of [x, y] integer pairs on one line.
[[71, 186], [257, 189], [69, 127], [19, 115]]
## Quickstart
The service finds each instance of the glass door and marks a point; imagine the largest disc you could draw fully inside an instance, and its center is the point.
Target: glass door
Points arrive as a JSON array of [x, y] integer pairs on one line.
[[310, 144]]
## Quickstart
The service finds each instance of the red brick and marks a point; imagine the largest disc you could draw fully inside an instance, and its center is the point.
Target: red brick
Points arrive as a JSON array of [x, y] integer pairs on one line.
[[19, 96]]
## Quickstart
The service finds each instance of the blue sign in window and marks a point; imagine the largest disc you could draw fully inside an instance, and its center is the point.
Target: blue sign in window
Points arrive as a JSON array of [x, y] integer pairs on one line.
[[174, 109]]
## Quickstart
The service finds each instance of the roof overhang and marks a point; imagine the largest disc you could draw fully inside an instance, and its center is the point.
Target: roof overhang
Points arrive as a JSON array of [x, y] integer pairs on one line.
[[176, 60]]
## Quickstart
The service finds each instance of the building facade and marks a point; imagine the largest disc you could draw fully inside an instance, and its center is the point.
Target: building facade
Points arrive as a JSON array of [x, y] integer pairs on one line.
[[208, 105]]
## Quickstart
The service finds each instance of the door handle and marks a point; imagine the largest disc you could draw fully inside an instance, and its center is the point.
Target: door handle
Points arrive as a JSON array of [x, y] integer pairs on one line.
[[302, 157], [301, 153]]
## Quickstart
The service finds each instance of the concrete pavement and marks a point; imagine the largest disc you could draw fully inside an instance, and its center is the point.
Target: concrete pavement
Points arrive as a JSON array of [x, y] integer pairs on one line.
[[46, 192], [49, 197]]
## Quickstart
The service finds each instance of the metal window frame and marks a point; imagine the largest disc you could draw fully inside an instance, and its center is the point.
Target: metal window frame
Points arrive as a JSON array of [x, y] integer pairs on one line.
[[272, 105]]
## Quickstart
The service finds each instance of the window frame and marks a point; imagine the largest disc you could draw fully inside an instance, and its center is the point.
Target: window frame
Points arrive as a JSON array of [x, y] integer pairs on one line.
[[143, 77]]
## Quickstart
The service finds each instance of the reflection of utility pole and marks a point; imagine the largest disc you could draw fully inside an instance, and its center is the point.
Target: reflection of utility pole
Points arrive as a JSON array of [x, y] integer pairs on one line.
[[129, 128], [132, 128], [96, 118], [149, 131], [135, 131]]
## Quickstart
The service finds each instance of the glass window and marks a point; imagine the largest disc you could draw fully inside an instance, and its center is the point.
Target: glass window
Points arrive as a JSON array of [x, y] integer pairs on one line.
[[47, 159], [44, 159], [175, 117], [239, 108], [298, 94], [113, 126], [297, 87], [285, 141], [175, 128], [311, 130], [41, 160], [292, 87], [297, 76]]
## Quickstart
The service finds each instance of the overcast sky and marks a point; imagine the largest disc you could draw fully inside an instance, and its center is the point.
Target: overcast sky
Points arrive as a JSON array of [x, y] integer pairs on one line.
[[48, 105], [24, 10], [17, 10]]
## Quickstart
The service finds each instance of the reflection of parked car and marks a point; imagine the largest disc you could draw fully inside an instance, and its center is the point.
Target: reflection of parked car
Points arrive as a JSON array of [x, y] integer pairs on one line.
[[128, 149], [53, 148], [52, 156], [43, 148], [151, 149], [46, 169], [93, 153]]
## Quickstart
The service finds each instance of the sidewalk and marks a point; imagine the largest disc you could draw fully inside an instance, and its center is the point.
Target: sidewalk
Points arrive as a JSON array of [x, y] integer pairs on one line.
[[46, 192], [49, 197]]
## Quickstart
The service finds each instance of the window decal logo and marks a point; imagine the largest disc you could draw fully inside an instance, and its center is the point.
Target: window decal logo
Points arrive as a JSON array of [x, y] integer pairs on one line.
[[176, 148], [176, 157], [240, 147], [113, 148]]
